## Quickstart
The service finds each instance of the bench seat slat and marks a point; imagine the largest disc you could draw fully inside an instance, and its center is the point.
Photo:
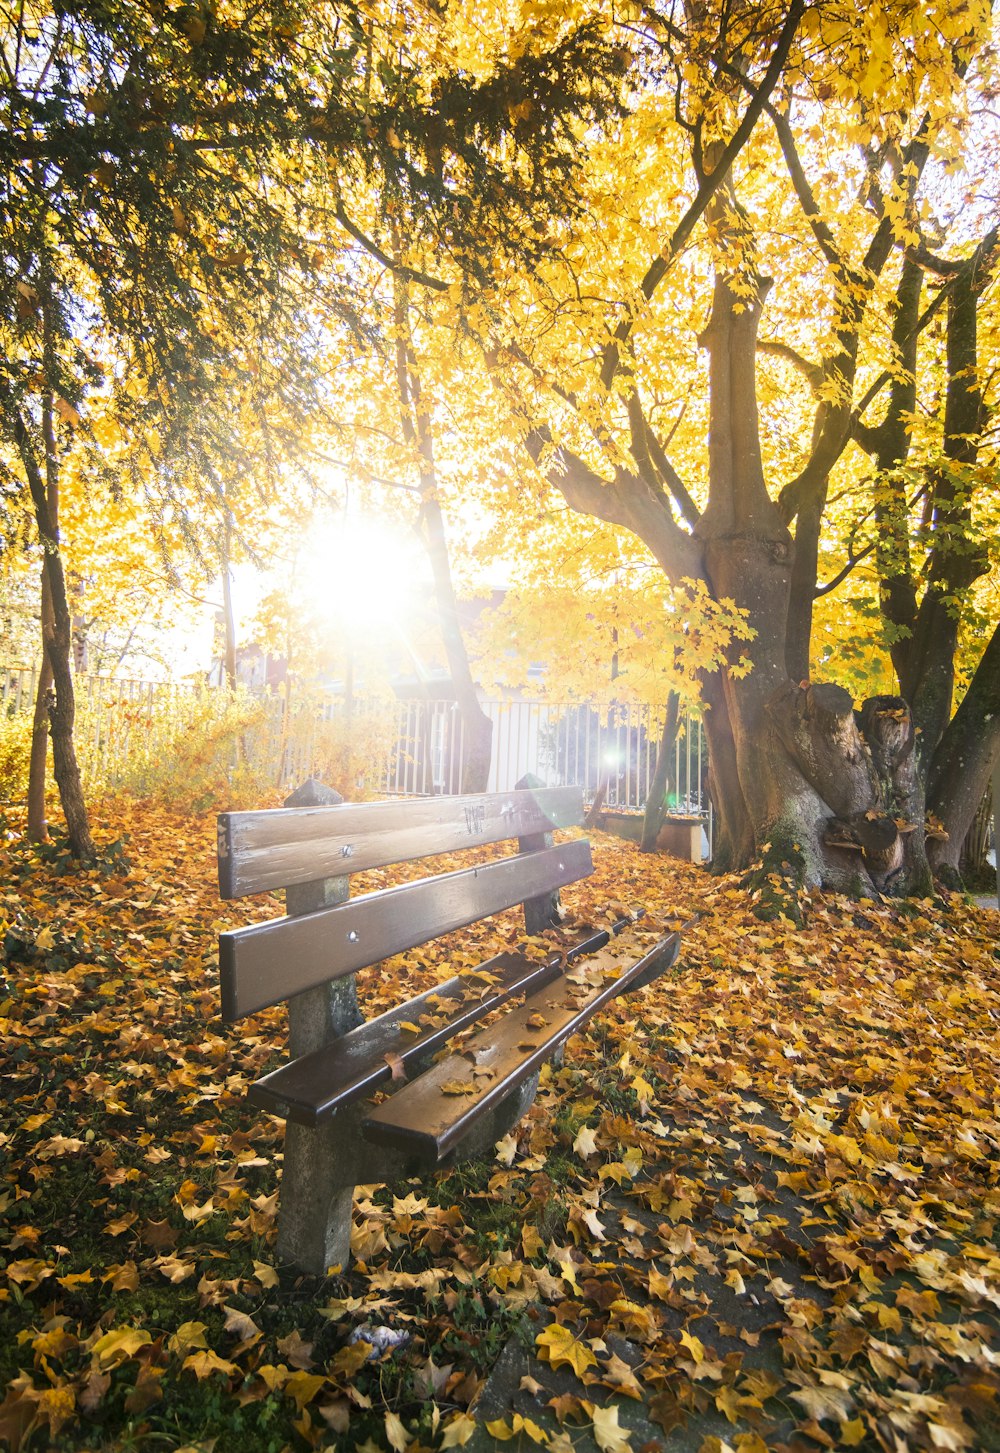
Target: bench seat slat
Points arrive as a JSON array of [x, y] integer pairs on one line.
[[269, 962], [431, 1114], [278, 848], [309, 1089]]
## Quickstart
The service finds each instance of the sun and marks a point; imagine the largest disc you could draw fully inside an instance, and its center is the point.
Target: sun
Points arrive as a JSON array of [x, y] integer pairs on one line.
[[362, 570]]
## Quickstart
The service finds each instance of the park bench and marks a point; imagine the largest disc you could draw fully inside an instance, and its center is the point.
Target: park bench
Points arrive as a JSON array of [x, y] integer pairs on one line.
[[445, 1102]]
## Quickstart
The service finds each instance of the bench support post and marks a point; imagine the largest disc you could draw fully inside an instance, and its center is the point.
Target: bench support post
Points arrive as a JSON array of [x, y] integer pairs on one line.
[[540, 913], [543, 912], [314, 1209]]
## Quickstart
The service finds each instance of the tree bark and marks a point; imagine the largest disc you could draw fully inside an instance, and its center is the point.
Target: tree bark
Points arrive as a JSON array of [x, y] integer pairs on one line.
[[37, 825], [58, 651], [890, 735], [228, 615], [966, 755], [477, 728], [656, 801], [973, 863]]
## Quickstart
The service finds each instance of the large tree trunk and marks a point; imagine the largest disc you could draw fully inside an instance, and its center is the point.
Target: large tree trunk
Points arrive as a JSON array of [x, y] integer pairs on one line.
[[62, 716], [822, 798], [957, 558], [973, 862]]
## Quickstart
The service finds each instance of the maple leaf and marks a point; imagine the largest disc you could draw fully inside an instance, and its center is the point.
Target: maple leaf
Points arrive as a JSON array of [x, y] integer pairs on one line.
[[609, 1436], [244, 1326], [303, 1387], [558, 1346], [853, 1433], [506, 1149], [119, 1344], [147, 1390], [187, 1336], [123, 1277], [194, 1212], [396, 1433], [204, 1362], [266, 1275], [295, 1351], [620, 1377], [531, 1241], [503, 1431], [75, 1279], [832, 1403], [585, 1223], [175, 1268], [457, 1431], [637, 1321], [159, 1235], [349, 1359], [585, 1144]]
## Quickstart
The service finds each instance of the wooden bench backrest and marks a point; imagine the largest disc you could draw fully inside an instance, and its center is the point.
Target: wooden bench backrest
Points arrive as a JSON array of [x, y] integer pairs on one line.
[[262, 851]]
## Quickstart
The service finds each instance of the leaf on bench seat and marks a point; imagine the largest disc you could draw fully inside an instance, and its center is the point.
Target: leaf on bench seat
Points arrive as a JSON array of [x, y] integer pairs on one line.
[[479, 975], [396, 1065], [415, 1118]]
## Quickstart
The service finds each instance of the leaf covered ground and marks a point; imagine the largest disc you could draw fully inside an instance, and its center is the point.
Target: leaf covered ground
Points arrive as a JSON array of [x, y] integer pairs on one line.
[[756, 1208]]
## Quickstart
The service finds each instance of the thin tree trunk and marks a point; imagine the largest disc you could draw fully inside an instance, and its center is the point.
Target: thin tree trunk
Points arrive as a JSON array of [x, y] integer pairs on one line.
[[656, 802], [228, 616], [37, 828], [972, 860], [416, 425], [58, 651]]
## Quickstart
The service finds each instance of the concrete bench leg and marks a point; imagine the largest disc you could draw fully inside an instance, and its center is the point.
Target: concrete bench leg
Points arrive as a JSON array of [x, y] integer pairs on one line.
[[315, 1205], [314, 1209]]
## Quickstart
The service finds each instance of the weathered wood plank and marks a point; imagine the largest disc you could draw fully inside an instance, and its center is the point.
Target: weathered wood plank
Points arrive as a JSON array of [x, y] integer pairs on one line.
[[432, 1114], [269, 962], [309, 1089], [262, 851]]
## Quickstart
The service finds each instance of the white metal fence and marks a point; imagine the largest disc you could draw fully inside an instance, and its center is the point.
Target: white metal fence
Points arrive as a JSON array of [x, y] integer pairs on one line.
[[592, 744], [126, 730]]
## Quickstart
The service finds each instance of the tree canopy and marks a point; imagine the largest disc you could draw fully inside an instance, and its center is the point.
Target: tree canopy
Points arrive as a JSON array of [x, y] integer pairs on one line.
[[717, 282]]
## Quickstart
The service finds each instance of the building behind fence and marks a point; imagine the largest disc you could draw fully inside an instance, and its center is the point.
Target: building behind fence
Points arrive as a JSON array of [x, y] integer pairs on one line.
[[127, 730]]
